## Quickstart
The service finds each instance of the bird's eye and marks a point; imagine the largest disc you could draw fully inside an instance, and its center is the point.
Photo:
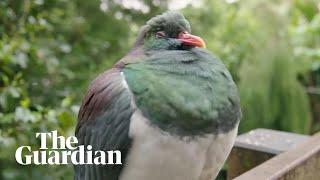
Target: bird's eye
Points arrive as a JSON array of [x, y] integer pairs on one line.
[[160, 34]]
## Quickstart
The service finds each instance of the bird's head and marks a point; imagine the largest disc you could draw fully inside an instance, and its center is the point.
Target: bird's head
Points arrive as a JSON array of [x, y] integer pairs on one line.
[[168, 31]]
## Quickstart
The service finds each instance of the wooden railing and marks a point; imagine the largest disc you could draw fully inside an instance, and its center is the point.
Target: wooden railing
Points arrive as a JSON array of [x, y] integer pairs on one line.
[[267, 154]]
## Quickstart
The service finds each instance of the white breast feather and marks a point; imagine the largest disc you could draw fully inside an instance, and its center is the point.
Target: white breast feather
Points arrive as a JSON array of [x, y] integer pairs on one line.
[[157, 155]]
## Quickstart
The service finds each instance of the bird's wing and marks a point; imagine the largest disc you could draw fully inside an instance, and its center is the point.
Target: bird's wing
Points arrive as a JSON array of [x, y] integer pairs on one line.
[[103, 123]]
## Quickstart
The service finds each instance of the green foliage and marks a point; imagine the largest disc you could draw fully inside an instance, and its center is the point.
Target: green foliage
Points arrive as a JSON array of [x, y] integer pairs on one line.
[[305, 33], [47, 56], [277, 100], [254, 40]]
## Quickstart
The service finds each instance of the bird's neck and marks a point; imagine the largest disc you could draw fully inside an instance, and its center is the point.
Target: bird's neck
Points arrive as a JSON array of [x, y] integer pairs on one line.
[[136, 54]]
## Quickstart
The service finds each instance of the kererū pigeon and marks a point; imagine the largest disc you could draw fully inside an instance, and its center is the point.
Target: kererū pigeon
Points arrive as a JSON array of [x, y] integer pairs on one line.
[[169, 106]]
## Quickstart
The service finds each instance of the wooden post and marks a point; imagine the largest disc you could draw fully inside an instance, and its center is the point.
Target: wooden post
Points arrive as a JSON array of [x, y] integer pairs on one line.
[[257, 146], [299, 163]]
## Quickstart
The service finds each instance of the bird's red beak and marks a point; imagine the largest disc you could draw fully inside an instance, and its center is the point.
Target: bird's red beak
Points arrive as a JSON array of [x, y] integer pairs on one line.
[[191, 40]]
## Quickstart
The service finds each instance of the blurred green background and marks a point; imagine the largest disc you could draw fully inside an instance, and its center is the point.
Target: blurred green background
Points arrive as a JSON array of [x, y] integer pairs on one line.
[[51, 49]]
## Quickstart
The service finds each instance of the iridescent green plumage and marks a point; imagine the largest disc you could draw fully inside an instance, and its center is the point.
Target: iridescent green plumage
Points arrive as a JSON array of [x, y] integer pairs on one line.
[[185, 92]]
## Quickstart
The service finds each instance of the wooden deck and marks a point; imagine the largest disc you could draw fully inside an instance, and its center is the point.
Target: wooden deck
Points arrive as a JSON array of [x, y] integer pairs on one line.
[[286, 157]]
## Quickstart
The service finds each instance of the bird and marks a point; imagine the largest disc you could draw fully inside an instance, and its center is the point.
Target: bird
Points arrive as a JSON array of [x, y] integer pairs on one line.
[[169, 106]]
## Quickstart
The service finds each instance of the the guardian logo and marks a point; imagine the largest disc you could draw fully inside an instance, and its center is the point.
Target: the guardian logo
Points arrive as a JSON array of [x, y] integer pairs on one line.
[[64, 151]]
